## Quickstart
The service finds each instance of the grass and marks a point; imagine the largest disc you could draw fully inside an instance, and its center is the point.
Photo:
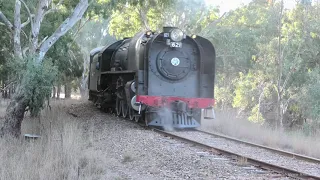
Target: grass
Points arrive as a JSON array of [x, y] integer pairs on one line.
[[3, 106], [62, 152], [296, 141], [66, 150]]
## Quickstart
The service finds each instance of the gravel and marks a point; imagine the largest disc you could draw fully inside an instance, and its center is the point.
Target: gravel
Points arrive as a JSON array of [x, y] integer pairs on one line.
[[126, 150], [253, 152]]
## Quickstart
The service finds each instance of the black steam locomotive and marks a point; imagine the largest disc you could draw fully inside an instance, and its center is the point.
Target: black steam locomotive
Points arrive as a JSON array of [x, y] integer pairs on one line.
[[162, 79]]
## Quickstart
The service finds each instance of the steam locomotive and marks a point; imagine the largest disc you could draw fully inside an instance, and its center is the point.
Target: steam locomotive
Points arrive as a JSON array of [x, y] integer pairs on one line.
[[161, 79]]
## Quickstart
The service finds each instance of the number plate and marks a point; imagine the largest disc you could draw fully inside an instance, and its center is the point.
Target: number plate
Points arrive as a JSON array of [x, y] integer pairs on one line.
[[176, 44]]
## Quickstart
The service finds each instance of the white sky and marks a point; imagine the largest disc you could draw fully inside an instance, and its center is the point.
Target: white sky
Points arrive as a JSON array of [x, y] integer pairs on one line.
[[226, 5]]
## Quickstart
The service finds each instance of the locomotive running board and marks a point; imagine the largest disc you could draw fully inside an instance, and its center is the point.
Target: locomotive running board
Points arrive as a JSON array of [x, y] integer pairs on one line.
[[177, 121]]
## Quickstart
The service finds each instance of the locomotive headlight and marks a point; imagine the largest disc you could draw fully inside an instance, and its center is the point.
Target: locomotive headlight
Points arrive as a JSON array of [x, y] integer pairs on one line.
[[176, 35]]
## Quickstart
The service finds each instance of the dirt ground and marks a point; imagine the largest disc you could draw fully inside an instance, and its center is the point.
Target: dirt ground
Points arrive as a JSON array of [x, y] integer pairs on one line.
[[79, 141]]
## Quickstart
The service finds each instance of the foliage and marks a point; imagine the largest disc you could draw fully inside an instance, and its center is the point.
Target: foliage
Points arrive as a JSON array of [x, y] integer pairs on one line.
[[36, 80], [255, 73], [5, 45], [310, 98], [191, 16], [245, 89], [256, 116], [68, 59]]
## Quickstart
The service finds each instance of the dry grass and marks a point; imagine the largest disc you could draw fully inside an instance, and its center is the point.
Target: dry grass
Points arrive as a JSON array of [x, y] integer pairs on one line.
[[3, 105], [62, 152], [297, 142]]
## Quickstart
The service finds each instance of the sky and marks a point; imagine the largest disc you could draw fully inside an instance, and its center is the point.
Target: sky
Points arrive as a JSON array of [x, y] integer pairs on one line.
[[227, 5]]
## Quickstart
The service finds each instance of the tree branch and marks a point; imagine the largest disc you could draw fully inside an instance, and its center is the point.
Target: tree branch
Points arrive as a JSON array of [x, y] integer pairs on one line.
[[80, 27], [25, 50], [144, 19], [215, 22], [17, 30], [43, 40], [290, 73], [7, 86], [5, 20], [54, 8], [42, 6], [77, 32], [30, 16], [25, 23], [63, 28]]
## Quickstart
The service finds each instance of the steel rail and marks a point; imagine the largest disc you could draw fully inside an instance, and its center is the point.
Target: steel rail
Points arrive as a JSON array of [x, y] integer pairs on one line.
[[260, 164], [282, 152]]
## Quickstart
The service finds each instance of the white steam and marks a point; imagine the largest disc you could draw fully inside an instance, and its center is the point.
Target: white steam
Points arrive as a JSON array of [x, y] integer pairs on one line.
[[165, 113]]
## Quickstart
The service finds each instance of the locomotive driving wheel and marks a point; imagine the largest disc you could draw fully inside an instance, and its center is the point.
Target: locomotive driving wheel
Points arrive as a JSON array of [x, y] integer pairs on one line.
[[124, 108], [131, 113], [124, 105], [118, 106], [137, 117]]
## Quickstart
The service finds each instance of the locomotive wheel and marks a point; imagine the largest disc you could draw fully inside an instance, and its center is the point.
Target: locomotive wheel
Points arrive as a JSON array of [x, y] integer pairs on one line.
[[137, 117], [131, 113], [118, 106], [124, 108]]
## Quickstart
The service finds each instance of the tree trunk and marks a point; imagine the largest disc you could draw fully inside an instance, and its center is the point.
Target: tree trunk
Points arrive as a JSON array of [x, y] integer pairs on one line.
[[67, 90], [9, 93], [14, 116], [83, 91], [54, 92], [58, 91], [2, 87], [17, 30], [280, 73], [5, 94], [84, 77]]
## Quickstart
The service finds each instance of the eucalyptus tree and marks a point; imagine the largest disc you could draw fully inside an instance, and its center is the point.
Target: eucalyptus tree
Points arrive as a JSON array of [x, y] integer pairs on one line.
[[35, 84]]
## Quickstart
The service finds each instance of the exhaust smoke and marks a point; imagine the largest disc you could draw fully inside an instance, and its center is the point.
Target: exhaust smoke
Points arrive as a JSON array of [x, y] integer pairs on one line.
[[165, 114]]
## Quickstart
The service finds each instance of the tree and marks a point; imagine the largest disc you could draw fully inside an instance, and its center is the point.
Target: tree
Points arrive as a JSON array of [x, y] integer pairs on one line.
[[36, 53]]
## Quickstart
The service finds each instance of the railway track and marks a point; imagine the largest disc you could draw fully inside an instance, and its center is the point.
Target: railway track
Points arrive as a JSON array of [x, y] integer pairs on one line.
[[282, 152], [299, 173], [284, 169]]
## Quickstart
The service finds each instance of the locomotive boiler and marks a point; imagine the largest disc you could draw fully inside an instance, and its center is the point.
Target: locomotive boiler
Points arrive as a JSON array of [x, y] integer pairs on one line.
[[162, 79]]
